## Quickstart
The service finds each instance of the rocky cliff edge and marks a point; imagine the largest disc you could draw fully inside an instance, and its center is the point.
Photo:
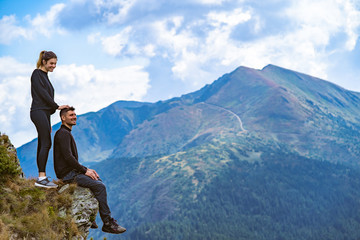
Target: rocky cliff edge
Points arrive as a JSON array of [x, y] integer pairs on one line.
[[29, 212]]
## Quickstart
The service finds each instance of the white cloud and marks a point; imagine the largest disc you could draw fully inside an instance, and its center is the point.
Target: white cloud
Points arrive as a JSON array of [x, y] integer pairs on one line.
[[149, 50], [90, 89], [9, 31], [122, 8], [15, 99], [201, 48], [121, 44], [352, 24], [115, 44], [93, 38], [314, 25], [196, 58], [47, 24], [327, 17], [171, 38], [227, 18], [9, 66], [85, 87], [211, 2]]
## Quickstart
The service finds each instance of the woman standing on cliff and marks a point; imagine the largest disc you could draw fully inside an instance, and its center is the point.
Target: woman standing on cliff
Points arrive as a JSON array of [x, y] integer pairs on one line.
[[43, 105]]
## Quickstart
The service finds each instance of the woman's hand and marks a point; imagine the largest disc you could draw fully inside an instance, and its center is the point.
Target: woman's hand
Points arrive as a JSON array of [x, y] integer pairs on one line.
[[63, 106]]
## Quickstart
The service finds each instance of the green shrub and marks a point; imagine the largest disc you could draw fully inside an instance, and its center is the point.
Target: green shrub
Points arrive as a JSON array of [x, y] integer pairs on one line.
[[9, 166]]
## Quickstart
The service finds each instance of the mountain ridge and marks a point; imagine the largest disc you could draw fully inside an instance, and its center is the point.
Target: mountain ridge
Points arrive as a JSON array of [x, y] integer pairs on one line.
[[257, 152], [268, 101]]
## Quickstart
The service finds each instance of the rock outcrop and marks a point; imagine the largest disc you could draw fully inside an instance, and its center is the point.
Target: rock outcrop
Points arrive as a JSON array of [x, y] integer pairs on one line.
[[84, 208]]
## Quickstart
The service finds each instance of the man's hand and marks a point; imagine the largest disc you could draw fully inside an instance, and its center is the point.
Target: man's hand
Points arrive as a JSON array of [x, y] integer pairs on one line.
[[92, 173]]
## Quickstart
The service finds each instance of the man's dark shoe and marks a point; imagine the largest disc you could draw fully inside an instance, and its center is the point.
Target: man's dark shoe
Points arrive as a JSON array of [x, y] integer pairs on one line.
[[94, 225], [111, 226]]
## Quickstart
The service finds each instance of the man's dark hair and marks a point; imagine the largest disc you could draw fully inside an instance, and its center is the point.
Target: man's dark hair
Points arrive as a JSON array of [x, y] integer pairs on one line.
[[65, 110]]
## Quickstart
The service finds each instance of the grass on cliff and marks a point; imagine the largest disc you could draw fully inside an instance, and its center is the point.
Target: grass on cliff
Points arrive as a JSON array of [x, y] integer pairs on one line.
[[29, 212]]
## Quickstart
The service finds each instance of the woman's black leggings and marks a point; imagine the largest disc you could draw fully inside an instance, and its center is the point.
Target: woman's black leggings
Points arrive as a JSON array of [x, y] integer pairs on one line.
[[41, 119]]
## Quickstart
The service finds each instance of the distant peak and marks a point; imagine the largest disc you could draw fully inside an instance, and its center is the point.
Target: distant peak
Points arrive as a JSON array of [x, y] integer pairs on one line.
[[266, 68], [270, 66]]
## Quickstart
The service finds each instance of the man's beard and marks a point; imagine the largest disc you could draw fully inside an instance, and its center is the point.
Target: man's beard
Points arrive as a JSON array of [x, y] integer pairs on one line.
[[71, 123]]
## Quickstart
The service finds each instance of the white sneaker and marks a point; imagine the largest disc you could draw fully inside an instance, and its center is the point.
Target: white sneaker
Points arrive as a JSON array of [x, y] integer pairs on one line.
[[45, 183]]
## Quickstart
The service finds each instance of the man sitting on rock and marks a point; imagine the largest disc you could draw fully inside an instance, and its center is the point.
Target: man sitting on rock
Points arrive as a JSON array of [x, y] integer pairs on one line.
[[68, 169]]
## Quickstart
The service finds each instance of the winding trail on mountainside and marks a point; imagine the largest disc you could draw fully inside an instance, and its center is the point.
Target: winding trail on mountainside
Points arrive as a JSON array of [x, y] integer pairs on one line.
[[229, 111], [242, 129]]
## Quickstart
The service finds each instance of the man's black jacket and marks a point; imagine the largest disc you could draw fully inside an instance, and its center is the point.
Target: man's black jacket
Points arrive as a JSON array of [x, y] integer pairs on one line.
[[65, 153]]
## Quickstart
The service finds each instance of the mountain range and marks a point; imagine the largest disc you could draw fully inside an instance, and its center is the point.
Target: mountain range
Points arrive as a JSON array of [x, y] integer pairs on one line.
[[257, 154]]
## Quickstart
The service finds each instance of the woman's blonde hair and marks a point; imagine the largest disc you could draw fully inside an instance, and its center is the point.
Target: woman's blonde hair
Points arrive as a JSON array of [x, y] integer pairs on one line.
[[45, 55]]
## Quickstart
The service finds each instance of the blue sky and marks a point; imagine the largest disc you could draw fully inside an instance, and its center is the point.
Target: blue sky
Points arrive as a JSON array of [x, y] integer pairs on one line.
[[150, 50]]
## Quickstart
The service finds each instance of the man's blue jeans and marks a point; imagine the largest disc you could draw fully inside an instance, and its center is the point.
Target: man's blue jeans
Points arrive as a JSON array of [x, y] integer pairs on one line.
[[96, 186]]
